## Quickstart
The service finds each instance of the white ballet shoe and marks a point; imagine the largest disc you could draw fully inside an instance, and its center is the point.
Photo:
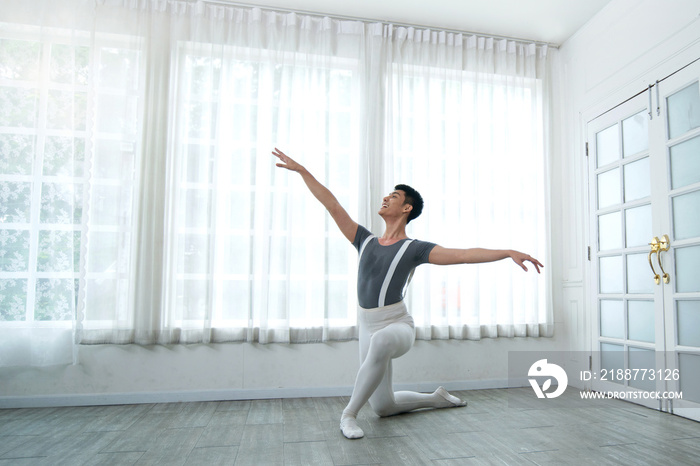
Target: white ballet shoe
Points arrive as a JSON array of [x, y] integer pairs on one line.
[[452, 400], [350, 429]]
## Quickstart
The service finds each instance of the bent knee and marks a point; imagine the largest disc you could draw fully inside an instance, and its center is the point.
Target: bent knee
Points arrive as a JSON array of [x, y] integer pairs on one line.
[[383, 410]]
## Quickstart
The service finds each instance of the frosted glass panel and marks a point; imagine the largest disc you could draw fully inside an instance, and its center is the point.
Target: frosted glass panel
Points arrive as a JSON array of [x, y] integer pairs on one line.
[[686, 215], [611, 274], [638, 226], [688, 269], [689, 369], [637, 181], [688, 323], [612, 319], [609, 188], [683, 111], [608, 145], [639, 276], [635, 135], [685, 163], [642, 359], [612, 357], [610, 231], [640, 320]]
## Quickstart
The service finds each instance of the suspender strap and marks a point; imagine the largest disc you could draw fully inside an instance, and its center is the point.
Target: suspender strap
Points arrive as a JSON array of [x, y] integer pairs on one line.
[[363, 246], [390, 272]]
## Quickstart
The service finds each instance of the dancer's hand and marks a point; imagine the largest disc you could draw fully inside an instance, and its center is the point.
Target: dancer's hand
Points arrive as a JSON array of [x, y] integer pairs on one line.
[[287, 162], [520, 258]]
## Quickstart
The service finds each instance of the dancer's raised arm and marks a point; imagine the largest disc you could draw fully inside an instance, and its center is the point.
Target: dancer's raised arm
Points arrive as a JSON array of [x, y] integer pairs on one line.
[[444, 256], [346, 224]]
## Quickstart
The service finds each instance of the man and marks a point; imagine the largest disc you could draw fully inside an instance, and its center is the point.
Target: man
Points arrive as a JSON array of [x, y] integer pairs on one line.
[[386, 330]]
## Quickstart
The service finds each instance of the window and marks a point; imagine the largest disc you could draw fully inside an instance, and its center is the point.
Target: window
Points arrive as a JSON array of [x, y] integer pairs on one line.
[[244, 239], [43, 128]]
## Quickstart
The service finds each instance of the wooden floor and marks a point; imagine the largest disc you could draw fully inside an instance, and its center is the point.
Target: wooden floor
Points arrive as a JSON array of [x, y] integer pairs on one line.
[[491, 430]]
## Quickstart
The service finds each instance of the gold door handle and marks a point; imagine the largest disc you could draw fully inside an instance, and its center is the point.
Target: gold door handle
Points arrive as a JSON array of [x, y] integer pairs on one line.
[[664, 245], [655, 245]]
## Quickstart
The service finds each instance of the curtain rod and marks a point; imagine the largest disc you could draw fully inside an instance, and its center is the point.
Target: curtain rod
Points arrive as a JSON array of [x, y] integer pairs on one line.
[[371, 20]]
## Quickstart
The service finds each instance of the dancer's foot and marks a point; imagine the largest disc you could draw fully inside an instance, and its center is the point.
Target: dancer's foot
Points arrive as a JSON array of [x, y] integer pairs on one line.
[[349, 427], [450, 400]]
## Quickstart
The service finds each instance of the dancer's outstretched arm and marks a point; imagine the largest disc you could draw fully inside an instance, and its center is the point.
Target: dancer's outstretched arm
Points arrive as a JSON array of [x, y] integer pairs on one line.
[[346, 224], [444, 256]]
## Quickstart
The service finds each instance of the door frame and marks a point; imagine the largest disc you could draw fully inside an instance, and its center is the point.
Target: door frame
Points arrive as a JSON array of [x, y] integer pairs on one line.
[[615, 116]]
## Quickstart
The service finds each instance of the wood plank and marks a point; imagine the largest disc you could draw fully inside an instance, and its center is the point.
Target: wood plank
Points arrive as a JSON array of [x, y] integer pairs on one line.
[[221, 436], [261, 445], [302, 425], [212, 456], [307, 454], [265, 412]]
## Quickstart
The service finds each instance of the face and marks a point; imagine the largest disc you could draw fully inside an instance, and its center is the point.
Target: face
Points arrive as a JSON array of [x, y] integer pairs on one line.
[[394, 204]]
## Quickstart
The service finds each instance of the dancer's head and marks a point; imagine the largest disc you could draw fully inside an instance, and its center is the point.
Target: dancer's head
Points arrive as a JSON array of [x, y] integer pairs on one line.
[[412, 198]]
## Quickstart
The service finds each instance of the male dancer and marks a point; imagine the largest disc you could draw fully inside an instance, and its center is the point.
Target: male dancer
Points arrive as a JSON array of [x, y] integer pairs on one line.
[[386, 264]]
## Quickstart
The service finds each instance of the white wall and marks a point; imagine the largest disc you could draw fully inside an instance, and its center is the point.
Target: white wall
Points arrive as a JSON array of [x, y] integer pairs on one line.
[[627, 46], [133, 374]]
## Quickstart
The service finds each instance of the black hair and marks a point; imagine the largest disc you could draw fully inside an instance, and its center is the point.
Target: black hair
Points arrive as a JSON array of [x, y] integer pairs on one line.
[[413, 198]]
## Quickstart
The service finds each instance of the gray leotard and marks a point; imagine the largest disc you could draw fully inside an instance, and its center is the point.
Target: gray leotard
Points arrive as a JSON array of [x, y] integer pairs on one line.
[[384, 270]]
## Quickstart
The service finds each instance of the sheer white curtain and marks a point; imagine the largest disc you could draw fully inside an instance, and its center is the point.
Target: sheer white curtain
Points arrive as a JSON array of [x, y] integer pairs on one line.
[[465, 127], [45, 127], [140, 202], [224, 245]]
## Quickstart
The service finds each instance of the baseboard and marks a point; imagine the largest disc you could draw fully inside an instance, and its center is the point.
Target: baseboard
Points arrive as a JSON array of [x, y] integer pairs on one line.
[[101, 399]]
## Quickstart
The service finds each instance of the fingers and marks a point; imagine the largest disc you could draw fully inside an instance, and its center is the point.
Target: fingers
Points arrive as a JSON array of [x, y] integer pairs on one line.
[[279, 154], [536, 263], [283, 158], [521, 262]]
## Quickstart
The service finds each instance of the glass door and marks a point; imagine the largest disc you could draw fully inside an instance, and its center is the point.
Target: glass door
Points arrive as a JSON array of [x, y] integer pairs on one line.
[[678, 140], [644, 183], [629, 306]]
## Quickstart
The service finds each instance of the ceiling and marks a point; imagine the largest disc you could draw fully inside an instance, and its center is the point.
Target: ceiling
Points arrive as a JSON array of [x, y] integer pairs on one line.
[[550, 21]]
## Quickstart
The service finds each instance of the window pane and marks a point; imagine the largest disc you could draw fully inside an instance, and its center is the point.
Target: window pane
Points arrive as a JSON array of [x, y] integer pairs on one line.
[[612, 319], [235, 303], [637, 180], [640, 320], [635, 134], [20, 59], [612, 358], [15, 202], [63, 156], [683, 111], [56, 251], [21, 107], [639, 276], [638, 226], [608, 145], [685, 163], [687, 269], [642, 359], [14, 250], [610, 231], [611, 274], [686, 215], [689, 369], [17, 154], [609, 188], [13, 299], [688, 323], [55, 299]]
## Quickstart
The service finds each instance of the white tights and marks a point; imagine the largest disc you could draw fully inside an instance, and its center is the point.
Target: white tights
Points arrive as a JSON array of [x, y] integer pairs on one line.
[[385, 334]]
